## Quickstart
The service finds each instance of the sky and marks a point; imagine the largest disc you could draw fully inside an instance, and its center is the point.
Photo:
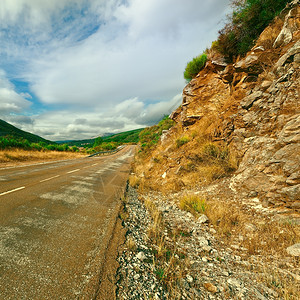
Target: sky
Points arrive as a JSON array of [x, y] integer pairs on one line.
[[76, 69]]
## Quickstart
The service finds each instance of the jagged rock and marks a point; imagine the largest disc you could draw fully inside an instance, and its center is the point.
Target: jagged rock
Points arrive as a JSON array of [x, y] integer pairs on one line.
[[285, 57], [266, 84], [248, 101], [294, 250], [291, 24], [292, 192], [250, 65], [297, 58]]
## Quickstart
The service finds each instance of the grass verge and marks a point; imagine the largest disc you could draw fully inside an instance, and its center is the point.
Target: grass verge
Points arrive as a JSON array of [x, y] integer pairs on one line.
[[19, 155]]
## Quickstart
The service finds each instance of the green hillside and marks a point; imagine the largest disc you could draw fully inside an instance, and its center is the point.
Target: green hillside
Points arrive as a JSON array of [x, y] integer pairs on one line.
[[131, 136], [7, 129]]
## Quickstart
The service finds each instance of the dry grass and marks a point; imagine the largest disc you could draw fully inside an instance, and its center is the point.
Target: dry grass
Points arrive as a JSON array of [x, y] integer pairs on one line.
[[134, 181], [284, 283], [261, 237], [169, 264], [19, 155], [225, 217], [272, 238]]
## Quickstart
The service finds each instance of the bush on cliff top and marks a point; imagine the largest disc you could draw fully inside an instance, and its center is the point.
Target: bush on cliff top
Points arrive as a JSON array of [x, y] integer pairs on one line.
[[194, 67], [247, 21]]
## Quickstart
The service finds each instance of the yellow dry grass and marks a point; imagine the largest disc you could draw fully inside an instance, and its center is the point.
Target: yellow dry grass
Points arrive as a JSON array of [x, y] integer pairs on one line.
[[17, 156], [134, 180]]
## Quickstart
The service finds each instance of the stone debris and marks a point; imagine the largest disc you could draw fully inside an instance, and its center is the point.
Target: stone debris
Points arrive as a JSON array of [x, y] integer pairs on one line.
[[212, 272]]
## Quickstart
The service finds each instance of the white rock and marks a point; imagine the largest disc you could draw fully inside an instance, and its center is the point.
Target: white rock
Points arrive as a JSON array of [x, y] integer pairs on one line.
[[234, 282], [202, 219], [189, 278], [136, 276], [294, 250], [141, 256], [202, 241], [206, 248]]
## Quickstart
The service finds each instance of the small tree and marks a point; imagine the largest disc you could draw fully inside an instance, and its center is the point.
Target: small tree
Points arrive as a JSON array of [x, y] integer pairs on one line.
[[98, 141]]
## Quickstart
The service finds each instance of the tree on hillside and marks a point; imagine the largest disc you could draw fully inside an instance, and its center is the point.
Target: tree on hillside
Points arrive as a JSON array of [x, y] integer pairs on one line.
[[98, 141]]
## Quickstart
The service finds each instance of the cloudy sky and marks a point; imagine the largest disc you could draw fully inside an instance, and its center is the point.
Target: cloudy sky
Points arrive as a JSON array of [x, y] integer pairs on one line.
[[74, 69]]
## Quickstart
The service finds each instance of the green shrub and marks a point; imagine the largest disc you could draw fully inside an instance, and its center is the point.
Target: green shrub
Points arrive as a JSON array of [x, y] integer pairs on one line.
[[194, 67], [98, 141], [193, 204], [248, 20], [181, 141]]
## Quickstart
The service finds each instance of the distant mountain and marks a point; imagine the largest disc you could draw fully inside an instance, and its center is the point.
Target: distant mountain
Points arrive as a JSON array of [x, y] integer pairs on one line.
[[103, 135], [7, 129]]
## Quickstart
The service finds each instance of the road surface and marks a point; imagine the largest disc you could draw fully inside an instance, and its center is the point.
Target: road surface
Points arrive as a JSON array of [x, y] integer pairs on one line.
[[56, 221]]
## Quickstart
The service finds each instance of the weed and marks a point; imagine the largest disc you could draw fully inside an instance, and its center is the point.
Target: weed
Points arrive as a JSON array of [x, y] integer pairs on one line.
[[131, 245], [193, 204], [181, 141], [160, 273]]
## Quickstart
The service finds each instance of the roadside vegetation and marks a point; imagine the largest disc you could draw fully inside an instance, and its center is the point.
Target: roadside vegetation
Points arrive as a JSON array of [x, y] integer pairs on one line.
[[150, 136], [10, 142], [14, 149], [11, 156]]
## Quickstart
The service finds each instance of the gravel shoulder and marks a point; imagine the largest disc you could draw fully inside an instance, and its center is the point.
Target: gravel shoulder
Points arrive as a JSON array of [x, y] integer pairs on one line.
[[201, 264]]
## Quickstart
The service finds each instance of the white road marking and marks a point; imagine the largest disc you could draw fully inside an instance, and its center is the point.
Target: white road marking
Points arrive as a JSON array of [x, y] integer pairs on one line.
[[14, 190], [73, 171], [50, 178]]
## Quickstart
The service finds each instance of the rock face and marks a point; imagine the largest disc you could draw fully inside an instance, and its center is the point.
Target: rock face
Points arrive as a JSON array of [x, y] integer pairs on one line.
[[256, 110]]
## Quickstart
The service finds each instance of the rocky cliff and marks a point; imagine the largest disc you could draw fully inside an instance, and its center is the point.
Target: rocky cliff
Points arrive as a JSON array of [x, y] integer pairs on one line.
[[250, 110]]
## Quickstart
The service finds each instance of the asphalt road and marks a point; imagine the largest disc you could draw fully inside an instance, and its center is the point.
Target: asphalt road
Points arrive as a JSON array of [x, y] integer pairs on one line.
[[56, 221]]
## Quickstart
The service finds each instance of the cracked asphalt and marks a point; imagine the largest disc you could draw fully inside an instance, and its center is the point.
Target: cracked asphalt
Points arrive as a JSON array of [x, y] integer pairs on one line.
[[56, 221]]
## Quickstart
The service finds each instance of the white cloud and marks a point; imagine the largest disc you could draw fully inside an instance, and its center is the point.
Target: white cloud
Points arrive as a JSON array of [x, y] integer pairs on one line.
[[167, 17], [127, 115], [115, 64], [10, 100]]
